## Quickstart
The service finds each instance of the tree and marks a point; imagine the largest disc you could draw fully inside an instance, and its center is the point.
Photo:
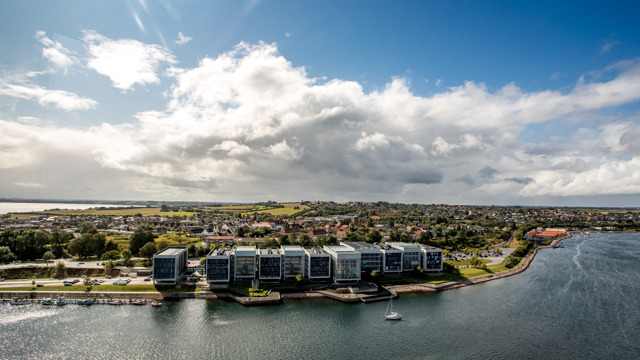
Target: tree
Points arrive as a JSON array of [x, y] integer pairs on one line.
[[299, 279], [305, 240], [6, 255], [87, 227], [203, 260], [110, 255], [374, 236], [127, 254], [48, 256], [148, 250], [139, 238]]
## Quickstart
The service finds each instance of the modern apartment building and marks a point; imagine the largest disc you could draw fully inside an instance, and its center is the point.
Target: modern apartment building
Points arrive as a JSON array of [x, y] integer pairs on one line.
[[218, 265], [270, 264], [411, 254], [345, 263], [370, 255], [244, 263], [170, 265], [431, 258], [317, 264]]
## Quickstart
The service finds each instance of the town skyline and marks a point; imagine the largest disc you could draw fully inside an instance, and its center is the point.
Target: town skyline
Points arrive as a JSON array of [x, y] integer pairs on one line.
[[528, 104]]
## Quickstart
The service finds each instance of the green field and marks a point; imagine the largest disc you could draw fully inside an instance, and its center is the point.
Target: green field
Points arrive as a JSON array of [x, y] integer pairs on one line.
[[288, 209]]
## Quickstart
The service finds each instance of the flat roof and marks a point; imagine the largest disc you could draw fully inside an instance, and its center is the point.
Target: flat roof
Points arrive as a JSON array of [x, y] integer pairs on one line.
[[339, 248], [220, 251], [245, 248], [172, 251], [315, 251], [269, 251], [357, 244]]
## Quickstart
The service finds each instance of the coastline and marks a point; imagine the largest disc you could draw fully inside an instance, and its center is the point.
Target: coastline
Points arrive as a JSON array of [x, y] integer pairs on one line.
[[276, 297]]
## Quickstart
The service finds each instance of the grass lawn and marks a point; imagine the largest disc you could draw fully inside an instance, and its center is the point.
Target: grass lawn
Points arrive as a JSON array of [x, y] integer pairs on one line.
[[464, 262]]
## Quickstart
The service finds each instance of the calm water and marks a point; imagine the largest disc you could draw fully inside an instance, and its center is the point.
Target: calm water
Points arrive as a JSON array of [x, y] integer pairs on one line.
[[6, 207], [580, 302]]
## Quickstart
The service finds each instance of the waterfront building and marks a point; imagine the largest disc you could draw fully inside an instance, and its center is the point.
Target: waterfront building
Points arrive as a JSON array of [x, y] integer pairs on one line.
[[370, 255], [345, 263], [218, 266], [293, 261], [244, 263], [270, 264], [170, 265], [411, 254], [431, 258], [318, 264], [391, 259]]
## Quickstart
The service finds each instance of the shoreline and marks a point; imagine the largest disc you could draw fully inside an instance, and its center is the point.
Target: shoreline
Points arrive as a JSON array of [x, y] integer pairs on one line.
[[350, 298]]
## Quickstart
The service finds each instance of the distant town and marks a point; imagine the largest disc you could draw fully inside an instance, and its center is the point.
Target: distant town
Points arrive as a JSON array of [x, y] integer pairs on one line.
[[311, 246]]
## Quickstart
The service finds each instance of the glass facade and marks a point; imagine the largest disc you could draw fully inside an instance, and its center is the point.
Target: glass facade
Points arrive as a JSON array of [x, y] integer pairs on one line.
[[164, 268], [319, 266], [245, 266], [218, 269], [433, 260], [411, 260], [392, 261], [347, 269], [293, 265], [371, 262], [270, 267]]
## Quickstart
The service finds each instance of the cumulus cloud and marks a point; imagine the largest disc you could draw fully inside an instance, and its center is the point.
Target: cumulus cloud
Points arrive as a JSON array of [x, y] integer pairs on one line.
[[126, 62], [250, 123]]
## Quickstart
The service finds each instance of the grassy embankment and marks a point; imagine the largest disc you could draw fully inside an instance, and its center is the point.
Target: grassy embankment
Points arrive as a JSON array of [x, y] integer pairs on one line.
[[105, 288]]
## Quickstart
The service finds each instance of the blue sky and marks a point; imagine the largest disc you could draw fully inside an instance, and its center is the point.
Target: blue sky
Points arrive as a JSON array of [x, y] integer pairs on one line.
[[460, 102]]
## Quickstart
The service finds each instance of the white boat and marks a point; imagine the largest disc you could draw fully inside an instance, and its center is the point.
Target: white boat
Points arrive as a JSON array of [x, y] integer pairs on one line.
[[48, 301], [61, 301], [156, 304], [116, 302], [390, 314]]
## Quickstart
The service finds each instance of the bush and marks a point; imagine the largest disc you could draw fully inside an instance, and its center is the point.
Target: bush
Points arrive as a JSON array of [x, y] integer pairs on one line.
[[511, 261]]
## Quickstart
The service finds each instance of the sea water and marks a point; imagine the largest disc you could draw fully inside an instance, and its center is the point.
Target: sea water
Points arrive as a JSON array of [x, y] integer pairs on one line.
[[578, 302]]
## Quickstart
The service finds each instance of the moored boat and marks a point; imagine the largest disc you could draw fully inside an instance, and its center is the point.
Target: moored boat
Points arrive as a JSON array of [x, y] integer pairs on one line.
[[18, 301], [115, 302], [61, 301], [156, 304], [86, 302], [48, 301], [139, 302]]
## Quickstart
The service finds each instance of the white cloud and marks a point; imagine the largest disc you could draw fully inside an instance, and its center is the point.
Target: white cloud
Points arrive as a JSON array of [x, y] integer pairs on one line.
[[249, 122], [126, 62], [183, 39], [28, 184], [55, 52], [58, 98]]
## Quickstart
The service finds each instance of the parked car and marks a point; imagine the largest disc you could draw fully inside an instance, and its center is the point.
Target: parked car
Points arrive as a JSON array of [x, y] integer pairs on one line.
[[1, 279], [107, 276]]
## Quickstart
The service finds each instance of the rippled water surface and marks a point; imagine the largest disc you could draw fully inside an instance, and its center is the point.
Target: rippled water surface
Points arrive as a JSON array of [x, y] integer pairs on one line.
[[582, 301]]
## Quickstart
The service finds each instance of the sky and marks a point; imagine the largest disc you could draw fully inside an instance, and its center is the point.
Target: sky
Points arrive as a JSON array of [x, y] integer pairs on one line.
[[533, 103]]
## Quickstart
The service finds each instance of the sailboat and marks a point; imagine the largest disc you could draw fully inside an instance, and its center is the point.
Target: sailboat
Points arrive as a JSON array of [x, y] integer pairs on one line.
[[390, 314]]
